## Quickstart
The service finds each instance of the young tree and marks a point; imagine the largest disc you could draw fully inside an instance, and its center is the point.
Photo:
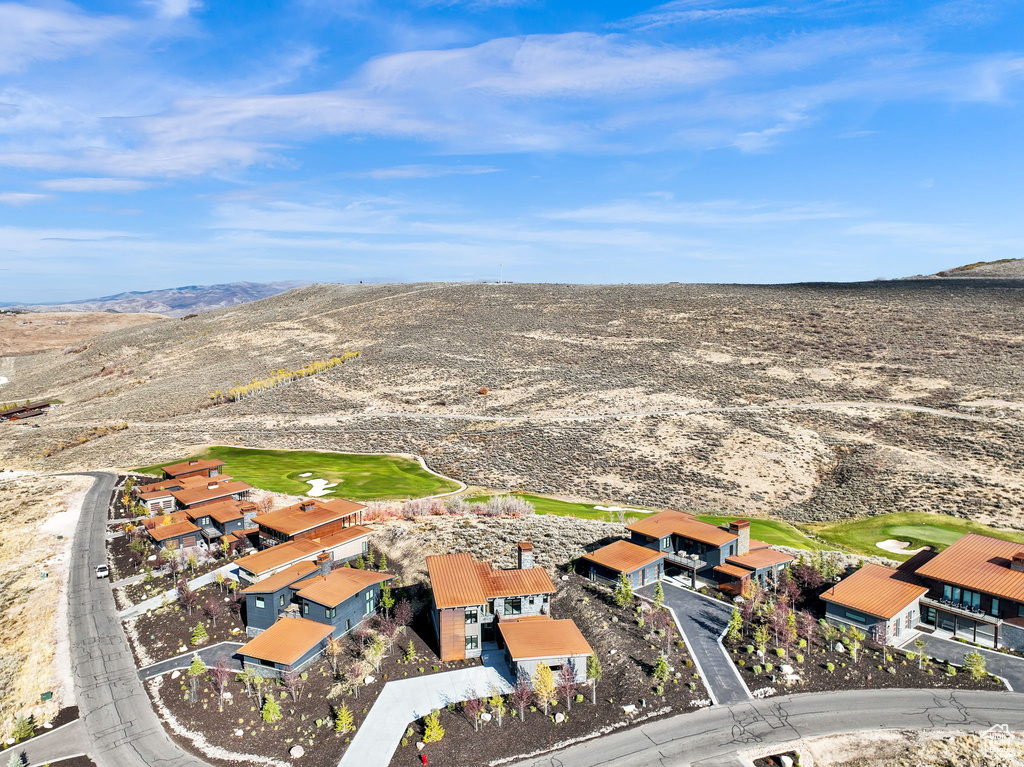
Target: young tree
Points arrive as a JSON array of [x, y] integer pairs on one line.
[[213, 608], [219, 580], [271, 710], [387, 599], [382, 562], [403, 613], [497, 704], [16, 760], [199, 635], [195, 670], [623, 591], [734, 631], [761, 637], [661, 671], [807, 627], [343, 719], [246, 678], [829, 633], [659, 596], [375, 652], [354, 677], [856, 638], [521, 693], [410, 653], [594, 675], [292, 681], [473, 707], [24, 727], [567, 684], [333, 648], [919, 645], [432, 729], [974, 664], [219, 675], [543, 685], [360, 563], [186, 596]]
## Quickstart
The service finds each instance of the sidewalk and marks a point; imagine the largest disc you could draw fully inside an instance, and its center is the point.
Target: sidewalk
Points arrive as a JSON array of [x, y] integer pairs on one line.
[[229, 570], [406, 700]]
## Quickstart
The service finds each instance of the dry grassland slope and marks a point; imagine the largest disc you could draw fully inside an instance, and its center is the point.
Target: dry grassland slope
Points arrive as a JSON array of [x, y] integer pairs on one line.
[[571, 371]]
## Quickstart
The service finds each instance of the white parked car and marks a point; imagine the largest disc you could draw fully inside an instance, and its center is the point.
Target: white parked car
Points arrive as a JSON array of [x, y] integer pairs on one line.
[[102, 571]]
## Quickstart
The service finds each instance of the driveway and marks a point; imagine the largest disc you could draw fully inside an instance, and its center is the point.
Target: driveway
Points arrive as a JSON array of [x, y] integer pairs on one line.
[[715, 736], [210, 656], [703, 620], [122, 728], [1009, 667]]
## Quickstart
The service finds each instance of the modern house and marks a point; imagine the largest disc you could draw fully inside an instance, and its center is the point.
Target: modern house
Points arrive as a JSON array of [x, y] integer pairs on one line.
[[308, 519], [972, 590], [209, 467], [293, 613], [880, 601], [24, 411], [533, 641], [211, 491], [674, 539], [470, 597], [174, 530], [340, 547], [221, 519]]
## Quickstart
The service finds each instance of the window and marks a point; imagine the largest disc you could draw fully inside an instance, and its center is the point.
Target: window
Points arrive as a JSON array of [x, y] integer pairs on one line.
[[1020, 611], [666, 543], [348, 624], [472, 643], [856, 617], [332, 612], [962, 597], [994, 607], [260, 604], [280, 601], [514, 606], [369, 601], [471, 616], [532, 600], [305, 608], [366, 546], [910, 619]]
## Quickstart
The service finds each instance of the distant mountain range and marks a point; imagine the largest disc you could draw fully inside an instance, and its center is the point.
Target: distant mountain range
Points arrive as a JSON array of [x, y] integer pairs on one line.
[[172, 302]]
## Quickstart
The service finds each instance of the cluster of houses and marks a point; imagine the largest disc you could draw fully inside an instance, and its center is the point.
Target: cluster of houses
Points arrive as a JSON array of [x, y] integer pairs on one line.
[[299, 593], [24, 412]]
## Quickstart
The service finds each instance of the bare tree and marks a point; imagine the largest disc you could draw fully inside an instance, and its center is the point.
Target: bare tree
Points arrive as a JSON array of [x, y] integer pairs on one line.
[[522, 692], [292, 681], [220, 674], [473, 707], [567, 684], [213, 608]]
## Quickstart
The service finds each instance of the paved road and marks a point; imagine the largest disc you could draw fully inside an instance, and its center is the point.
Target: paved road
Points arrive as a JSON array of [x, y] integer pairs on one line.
[[702, 621], [122, 728], [1008, 667], [69, 740], [714, 735], [209, 655]]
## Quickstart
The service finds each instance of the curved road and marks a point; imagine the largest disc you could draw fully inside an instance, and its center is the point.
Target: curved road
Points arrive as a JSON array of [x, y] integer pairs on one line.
[[122, 728]]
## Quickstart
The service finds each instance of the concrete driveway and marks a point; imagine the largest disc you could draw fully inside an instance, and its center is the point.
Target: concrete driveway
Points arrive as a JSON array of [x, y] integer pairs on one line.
[[1009, 667], [702, 620]]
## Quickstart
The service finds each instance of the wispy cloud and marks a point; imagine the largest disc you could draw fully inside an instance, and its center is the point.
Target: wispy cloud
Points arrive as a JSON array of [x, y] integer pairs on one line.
[[21, 199], [712, 213], [95, 185], [29, 33], [423, 171], [174, 9], [690, 11]]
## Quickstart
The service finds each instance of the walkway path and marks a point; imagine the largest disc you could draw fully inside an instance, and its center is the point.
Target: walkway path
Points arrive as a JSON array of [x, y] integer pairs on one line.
[[714, 735], [406, 700], [1009, 667], [702, 621], [230, 571], [120, 724], [209, 655]]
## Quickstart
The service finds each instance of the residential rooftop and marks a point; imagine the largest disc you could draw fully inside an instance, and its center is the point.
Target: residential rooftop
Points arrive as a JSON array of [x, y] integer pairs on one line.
[[185, 467], [210, 490], [286, 577], [980, 563], [541, 636], [280, 555], [623, 556], [341, 583], [459, 581], [307, 515], [680, 523], [287, 640], [876, 590]]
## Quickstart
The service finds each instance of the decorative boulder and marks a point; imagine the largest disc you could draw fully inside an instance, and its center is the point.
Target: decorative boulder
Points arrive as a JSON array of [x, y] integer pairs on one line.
[[629, 709], [483, 390], [485, 717], [175, 674], [839, 647], [559, 717], [420, 745], [786, 669], [370, 680], [786, 760], [296, 751], [239, 733]]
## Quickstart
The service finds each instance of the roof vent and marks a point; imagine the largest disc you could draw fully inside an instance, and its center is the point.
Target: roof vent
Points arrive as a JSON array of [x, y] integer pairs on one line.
[[211, 485], [192, 463], [307, 506], [1017, 562]]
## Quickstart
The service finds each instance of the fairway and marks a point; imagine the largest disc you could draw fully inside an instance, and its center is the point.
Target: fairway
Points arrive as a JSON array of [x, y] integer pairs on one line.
[[770, 531], [919, 529], [358, 477]]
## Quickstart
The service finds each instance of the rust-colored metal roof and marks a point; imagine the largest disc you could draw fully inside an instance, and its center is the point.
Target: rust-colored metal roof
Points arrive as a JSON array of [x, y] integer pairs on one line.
[[186, 466], [680, 523], [732, 570], [981, 563], [193, 495], [755, 560], [221, 511], [286, 641], [286, 577], [277, 556], [344, 536], [459, 581], [152, 487], [876, 590], [151, 495], [166, 519], [623, 556], [307, 515], [546, 638], [173, 530], [334, 588]]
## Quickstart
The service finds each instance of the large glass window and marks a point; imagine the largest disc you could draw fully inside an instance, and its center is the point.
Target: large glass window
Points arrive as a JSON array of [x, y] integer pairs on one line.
[[472, 616], [369, 601], [856, 617], [994, 607], [962, 597], [260, 604], [514, 606], [472, 642]]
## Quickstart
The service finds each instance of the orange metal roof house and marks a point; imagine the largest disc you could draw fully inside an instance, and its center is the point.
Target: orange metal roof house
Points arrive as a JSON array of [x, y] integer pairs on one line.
[[458, 581], [334, 588], [286, 577], [876, 590], [755, 560], [163, 532], [287, 640], [209, 491], [623, 556], [733, 570], [542, 637], [307, 515], [276, 556], [680, 523], [187, 467], [981, 563]]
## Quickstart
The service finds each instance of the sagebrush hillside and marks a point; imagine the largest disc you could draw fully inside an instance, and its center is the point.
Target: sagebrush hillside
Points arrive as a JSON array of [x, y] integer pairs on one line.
[[679, 395]]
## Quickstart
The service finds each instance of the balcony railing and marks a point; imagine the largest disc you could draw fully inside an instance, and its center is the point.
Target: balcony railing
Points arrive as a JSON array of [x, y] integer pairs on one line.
[[949, 606], [685, 561]]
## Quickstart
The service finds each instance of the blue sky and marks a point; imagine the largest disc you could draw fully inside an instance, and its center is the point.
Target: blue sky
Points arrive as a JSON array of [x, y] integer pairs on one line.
[[157, 143]]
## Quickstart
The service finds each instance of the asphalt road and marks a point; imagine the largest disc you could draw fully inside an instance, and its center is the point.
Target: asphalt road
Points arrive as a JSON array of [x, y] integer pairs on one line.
[[122, 728], [1008, 667], [714, 735], [703, 620]]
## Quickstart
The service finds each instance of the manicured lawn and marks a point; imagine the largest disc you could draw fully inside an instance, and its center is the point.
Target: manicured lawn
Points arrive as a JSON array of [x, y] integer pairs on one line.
[[920, 529], [359, 477], [770, 531], [545, 505]]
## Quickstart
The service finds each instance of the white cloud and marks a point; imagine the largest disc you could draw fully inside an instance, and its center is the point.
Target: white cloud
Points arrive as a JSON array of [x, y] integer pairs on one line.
[[29, 34], [21, 199], [95, 185], [423, 171], [711, 213], [174, 9]]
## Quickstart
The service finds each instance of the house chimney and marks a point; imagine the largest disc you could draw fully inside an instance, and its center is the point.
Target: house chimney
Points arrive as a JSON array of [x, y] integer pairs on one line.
[[249, 512], [307, 506], [1017, 562], [741, 527], [192, 463], [525, 555], [211, 485], [323, 559]]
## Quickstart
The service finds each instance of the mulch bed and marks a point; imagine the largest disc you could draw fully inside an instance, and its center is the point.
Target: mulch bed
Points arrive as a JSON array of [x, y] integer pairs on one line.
[[64, 716], [166, 630], [138, 592], [75, 761], [871, 671], [626, 680]]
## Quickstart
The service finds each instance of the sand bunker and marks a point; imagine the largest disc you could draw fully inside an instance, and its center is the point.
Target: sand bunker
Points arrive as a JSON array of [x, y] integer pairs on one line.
[[320, 487], [898, 547], [306, 474]]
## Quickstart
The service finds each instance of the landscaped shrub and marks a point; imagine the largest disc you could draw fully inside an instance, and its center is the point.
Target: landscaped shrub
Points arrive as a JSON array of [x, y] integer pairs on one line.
[[432, 729]]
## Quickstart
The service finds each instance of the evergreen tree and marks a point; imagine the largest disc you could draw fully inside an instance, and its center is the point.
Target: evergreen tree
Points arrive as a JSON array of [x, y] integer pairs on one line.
[[974, 664], [195, 670], [410, 652], [387, 599], [343, 719], [661, 670], [659, 596], [199, 634], [271, 711], [623, 591], [432, 729], [360, 563], [16, 760], [735, 628], [382, 563], [24, 727]]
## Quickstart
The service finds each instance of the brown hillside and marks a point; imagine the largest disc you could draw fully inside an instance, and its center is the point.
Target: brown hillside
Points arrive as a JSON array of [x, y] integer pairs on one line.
[[594, 391]]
